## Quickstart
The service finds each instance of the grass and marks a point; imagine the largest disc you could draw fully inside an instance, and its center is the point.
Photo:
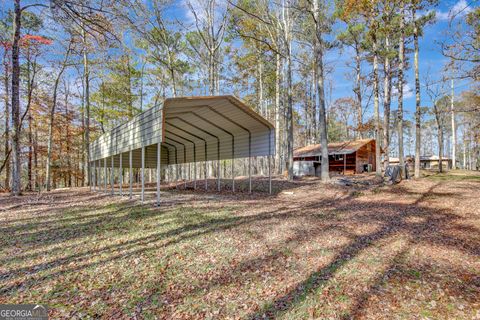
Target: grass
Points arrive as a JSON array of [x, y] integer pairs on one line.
[[452, 175], [315, 252]]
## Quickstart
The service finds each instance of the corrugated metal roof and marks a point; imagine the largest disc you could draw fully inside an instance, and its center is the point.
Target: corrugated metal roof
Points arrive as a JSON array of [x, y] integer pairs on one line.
[[191, 129], [345, 147]]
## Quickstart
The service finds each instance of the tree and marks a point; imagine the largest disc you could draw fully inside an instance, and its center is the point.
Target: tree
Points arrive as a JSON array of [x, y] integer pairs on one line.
[[369, 10], [6, 77], [389, 25], [354, 37], [16, 187], [401, 55], [75, 12], [208, 37], [159, 37], [287, 21], [322, 121], [462, 42], [51, 118], [260, 23], [434, 92], [418, 25]]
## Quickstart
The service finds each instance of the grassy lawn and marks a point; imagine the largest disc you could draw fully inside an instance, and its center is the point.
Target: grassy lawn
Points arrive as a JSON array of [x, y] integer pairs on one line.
[[455, 175], [406, 251]]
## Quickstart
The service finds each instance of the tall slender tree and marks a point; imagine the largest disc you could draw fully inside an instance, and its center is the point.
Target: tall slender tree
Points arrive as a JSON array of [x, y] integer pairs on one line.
[[322, 120], [401, 67], [51, 118]]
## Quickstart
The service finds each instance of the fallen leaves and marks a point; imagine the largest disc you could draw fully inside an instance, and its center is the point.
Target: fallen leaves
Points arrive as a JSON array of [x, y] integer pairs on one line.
[[312, 250]]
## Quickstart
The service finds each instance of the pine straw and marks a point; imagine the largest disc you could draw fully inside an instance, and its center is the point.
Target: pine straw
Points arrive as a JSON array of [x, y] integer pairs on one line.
[[310, 251]]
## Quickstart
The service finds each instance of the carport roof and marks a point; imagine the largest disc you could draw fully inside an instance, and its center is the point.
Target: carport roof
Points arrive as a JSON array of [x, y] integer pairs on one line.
[[190, 129]]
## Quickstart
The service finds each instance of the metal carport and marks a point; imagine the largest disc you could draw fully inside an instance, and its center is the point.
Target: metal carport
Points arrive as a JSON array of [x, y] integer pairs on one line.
[[183, 130]]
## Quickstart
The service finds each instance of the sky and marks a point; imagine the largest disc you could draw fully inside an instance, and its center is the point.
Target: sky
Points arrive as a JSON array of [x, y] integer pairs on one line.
[[430, 57], [432, 62]]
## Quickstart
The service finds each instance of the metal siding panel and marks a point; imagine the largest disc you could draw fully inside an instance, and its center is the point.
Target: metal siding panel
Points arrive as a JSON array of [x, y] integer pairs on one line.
[[146, 130]]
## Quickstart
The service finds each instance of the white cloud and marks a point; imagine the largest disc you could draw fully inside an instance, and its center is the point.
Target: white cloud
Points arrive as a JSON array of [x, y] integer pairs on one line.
[[460, 9], [200, 8], [407, 91]]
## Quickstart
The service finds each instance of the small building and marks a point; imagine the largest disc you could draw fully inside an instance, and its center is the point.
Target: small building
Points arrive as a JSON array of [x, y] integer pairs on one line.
[[349, 157], [426, 162]]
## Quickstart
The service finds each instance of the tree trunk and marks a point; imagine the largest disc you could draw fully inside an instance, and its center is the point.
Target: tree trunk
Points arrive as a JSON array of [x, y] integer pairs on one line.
[[289, 109], [313, 103], [7, 122], [51, 120], [174, 85], [454, 130], [464, 148], [401, 53], [378, 169], [16, 170], [387, 84], [30, 86], [68, 175], [440, 135], [277, 114], [358, 92], [306, 105], [289, 115], [322, 120], [417, 97], [36, 182], [86, 96]]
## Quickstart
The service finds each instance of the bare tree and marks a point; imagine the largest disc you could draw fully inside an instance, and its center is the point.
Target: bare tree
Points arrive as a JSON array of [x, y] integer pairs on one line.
[[434, 91], [51, 118]]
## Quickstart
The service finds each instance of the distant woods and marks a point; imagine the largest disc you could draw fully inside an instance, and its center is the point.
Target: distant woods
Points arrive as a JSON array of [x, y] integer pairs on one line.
[[72, 70]]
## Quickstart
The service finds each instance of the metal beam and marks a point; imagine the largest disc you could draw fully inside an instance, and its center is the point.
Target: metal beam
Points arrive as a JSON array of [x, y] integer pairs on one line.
[[194, 148], [249, 145], [206, 132], [121, 175], [249, 163], [159, 175], [112, 178], [269, 162], [199, 129], [130, 174], [105, 174], [205, 174], [176, 159], [218, 143], [143, 174], [90, 177], [184, 158]]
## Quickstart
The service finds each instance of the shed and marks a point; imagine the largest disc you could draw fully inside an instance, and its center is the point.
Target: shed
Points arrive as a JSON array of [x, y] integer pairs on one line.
[[182, 130], [355, 156], [426, 162]]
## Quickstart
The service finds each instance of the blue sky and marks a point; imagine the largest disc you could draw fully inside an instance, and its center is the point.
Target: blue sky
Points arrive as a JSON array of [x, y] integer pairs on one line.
[[431, 59]]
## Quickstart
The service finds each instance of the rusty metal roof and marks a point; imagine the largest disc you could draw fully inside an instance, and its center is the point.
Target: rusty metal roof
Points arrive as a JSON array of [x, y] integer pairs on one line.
[[345, 147]]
